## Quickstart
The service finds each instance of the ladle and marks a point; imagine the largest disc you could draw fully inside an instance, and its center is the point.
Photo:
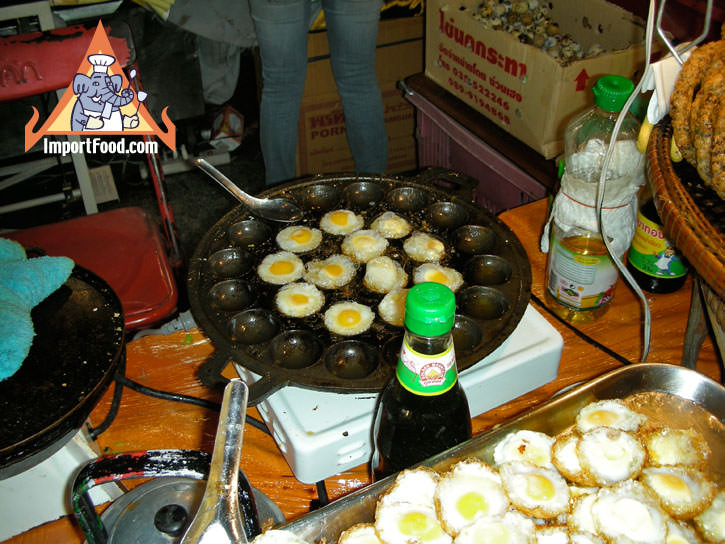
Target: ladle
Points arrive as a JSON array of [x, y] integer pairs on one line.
[[278, 209], [218, 519]]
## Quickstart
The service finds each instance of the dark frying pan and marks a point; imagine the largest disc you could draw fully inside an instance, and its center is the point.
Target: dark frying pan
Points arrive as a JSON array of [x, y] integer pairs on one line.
[[236, 309], [76, 350]]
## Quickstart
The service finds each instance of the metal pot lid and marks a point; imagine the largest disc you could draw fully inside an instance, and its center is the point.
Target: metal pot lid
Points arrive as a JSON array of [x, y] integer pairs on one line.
[[75, 352], [235, 308], [158, 511]]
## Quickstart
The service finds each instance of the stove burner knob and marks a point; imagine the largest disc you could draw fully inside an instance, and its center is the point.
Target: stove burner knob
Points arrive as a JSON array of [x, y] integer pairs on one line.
[[171, 519]]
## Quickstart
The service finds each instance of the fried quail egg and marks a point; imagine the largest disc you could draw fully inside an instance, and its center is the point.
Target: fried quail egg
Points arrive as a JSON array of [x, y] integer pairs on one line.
[[360, 533], [278, 536], [580, 519], [392, 308], [609, 455], [383, 274], [510, 528], [711, 523], [332, 273], [391, 225], [469, 490], [363, 245], [565, 459], [406, 523], [683, 492], [415, 486], [524, 445], [681, 533], [424, 248], [299, 238], [627, 513], [450, 277], [611, 413], [668, 446], [552, 535], [348, 318], [281, 268], [299, 299], [341, 222], [536, 491]]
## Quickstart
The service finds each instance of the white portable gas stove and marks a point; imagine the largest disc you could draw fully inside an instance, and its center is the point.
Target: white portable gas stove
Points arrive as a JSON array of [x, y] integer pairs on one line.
[[321, 434]]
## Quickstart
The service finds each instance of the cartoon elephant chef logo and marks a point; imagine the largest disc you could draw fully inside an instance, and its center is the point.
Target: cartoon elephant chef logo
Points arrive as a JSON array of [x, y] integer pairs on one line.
[[100, 97], [99, 100]]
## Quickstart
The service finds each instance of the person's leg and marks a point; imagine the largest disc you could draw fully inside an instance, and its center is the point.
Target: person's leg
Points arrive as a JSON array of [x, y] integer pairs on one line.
[[281, 27], [352, 32]]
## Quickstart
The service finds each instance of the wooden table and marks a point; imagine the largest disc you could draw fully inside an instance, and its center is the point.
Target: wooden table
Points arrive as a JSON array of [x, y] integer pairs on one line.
[[169, 363]]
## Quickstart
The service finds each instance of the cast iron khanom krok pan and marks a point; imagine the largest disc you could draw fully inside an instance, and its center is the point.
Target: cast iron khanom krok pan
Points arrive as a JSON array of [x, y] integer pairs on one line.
[[235, 308]]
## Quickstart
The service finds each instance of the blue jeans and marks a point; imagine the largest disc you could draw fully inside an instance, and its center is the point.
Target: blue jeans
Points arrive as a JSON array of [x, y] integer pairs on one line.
[[282, 27]]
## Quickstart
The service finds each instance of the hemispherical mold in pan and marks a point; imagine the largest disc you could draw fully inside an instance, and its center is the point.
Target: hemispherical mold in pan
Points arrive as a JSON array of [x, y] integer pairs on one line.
[[474, 239], [482, 302], [487, 270], [229, 263], [351, 359], [467, 334], [321, 197], [253, 326], [230, 295], [361, 195], [294, 349], [249, 233], [446, 215], [407, 199]]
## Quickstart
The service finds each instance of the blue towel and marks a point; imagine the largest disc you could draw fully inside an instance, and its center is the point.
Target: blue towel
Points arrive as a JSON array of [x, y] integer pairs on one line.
[[24, 283]]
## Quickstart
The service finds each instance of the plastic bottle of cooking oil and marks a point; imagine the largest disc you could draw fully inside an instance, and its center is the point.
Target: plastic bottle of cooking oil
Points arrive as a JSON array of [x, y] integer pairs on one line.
[[581, 275]]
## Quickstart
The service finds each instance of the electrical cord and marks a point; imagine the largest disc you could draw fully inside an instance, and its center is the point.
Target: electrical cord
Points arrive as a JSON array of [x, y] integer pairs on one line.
[[647, 325], [580, 334]]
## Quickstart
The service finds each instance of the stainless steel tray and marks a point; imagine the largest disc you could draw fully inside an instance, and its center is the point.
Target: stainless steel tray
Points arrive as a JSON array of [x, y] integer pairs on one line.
[[669, 395]]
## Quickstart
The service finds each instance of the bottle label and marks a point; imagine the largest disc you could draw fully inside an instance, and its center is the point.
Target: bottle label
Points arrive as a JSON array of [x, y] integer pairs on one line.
[[426, 375], [652, 253], [581, 282]]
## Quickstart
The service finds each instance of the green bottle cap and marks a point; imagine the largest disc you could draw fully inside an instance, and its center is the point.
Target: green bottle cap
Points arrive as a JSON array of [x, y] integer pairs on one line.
[[611, 92], [430, 309]]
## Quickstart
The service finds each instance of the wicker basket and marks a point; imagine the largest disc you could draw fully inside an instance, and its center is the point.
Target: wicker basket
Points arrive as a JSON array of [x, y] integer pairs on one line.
[[693, 226]]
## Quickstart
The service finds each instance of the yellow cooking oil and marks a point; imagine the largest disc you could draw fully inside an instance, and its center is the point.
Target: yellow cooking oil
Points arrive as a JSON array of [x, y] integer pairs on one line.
[[580, 276]]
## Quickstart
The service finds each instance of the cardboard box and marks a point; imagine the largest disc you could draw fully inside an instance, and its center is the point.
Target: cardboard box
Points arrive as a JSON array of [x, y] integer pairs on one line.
[[520, 87], [322, 144]]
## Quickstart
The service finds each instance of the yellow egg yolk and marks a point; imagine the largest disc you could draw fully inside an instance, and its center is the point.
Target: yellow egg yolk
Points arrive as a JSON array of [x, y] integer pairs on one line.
[[417, 524], [435, 245], [348, 318], [673, 485], [539, 487], [363, 241], [603, 418], [281, 268], [298, 299], [495, 534], [437, 276], [333, 270], [675, 539], [470, 504], [301, 236], [339, 218]]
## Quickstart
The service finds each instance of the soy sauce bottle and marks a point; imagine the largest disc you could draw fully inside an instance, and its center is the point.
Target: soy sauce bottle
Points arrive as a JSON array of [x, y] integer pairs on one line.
[[423, 410], [653, 260]]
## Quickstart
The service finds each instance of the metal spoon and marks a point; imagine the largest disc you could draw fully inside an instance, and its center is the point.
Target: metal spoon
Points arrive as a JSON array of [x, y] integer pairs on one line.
[[218, 519], [278, 209]]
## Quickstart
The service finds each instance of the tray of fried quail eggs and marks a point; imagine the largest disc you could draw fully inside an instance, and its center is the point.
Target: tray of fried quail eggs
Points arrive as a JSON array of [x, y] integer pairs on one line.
[[321, 300], [634, 456]]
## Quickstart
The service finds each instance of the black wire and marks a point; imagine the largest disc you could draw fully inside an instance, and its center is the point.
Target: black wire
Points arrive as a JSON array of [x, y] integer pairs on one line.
[[176, 397], [580, 334], [96, 431]]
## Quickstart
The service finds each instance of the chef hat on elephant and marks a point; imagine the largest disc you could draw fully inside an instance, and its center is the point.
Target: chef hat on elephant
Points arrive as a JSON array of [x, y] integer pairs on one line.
[[101, 62]]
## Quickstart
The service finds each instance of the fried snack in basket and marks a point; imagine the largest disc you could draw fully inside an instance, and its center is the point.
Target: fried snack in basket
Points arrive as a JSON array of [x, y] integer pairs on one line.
[[698, 114]]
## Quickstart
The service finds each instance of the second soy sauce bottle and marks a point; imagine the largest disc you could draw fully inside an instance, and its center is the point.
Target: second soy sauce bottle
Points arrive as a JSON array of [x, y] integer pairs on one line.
[[423, 410]]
